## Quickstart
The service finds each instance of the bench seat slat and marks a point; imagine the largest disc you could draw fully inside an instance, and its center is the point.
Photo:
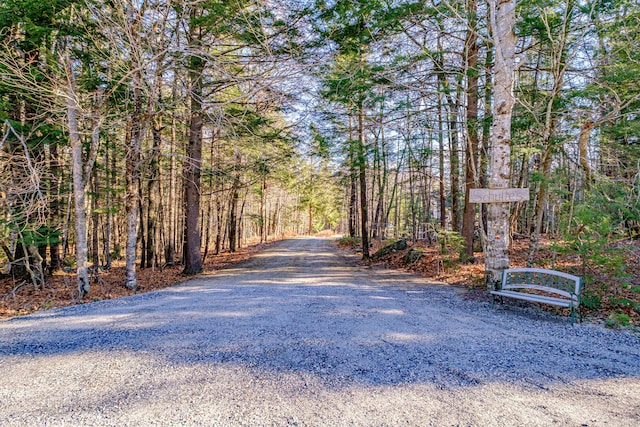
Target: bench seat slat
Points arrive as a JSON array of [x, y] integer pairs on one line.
[[544, 272], [537, 287], [561, 302]]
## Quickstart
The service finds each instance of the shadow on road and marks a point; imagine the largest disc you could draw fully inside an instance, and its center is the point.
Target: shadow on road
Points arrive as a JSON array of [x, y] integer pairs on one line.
[[300, 308]]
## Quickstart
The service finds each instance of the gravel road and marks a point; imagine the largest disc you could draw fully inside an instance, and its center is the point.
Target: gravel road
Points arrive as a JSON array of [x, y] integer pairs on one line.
[[303, 335]]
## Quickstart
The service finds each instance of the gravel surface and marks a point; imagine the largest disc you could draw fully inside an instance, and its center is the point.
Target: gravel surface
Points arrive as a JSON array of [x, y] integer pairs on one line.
[[302, 335]]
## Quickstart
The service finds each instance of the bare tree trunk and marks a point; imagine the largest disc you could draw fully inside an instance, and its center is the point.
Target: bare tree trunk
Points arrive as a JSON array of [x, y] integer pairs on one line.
[[233, 207], [443, 207], [502, 18], [54, 206], [382, 177], [170, 247], [362, 165], [192, 243], [153, 186], [263, 213], [412, 196], [454, 162], [353, 198], [471, 164], [213, 197], [95, 220], [219, 224], [240, 221], [108, 221], [133, 181], [78, 185]]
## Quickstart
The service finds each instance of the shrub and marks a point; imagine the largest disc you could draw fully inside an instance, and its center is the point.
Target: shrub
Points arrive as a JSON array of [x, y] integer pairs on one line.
[[618, 319]]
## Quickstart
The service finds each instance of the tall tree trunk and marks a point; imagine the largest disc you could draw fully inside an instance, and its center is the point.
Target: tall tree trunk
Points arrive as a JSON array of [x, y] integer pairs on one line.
[[502, 18], [412, 196], [353, 197], [170, 247], [219, 224], [192, 243], [143, 209], [443, 199], [95, 220], [54, 206], [454, 161], [233, 207], [213, 179], [153, 186], [132, 183], [233, 220], [109, 178], [78, 185], [383, 175], [362, 165], [263, 207], [471, 164]]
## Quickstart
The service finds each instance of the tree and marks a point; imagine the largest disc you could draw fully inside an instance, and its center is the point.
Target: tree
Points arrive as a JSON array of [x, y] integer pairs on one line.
[[192, 240], [79, 181], [502, 18], [472, 168]]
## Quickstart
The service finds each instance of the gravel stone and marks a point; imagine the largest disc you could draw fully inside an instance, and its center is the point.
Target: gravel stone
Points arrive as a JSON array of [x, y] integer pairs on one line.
[[302, 335]]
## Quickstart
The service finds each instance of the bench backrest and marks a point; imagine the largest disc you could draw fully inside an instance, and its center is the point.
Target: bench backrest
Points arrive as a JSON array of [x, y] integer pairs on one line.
[[552, 281]]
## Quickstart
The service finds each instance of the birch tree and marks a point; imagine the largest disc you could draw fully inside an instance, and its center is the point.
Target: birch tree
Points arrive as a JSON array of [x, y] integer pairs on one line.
[[502, 18]]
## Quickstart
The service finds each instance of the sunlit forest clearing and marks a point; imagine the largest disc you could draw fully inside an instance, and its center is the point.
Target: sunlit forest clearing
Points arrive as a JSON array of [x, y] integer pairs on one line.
[[143, 142]]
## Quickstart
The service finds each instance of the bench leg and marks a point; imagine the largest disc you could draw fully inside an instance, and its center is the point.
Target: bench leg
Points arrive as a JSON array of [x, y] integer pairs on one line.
[[495, 298], [576, 314]]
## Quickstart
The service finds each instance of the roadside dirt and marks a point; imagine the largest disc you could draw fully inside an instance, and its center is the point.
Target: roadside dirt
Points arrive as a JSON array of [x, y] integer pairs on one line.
[[18, 297]]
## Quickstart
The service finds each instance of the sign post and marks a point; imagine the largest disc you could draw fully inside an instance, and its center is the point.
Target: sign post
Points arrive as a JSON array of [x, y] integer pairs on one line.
[[498, 195]]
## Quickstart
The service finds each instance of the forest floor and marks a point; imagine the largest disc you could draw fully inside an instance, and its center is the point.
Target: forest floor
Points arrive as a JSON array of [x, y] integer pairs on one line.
[[615, 301], [18, 297]]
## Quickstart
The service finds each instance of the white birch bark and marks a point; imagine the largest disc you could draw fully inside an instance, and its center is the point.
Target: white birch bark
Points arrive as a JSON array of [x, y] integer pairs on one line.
[[502, 17]]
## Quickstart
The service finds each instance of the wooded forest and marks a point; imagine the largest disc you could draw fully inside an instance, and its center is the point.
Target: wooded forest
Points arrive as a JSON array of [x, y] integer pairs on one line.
[[158, 132]]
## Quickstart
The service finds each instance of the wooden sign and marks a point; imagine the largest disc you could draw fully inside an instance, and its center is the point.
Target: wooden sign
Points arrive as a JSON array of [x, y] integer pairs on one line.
[[498, 195]]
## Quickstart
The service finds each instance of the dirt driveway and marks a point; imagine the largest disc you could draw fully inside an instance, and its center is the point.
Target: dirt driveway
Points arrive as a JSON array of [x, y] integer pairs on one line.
[[302, 335]]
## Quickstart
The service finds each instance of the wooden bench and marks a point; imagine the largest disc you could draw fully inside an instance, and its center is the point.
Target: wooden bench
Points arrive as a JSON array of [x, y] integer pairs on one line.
[[540, 285]]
